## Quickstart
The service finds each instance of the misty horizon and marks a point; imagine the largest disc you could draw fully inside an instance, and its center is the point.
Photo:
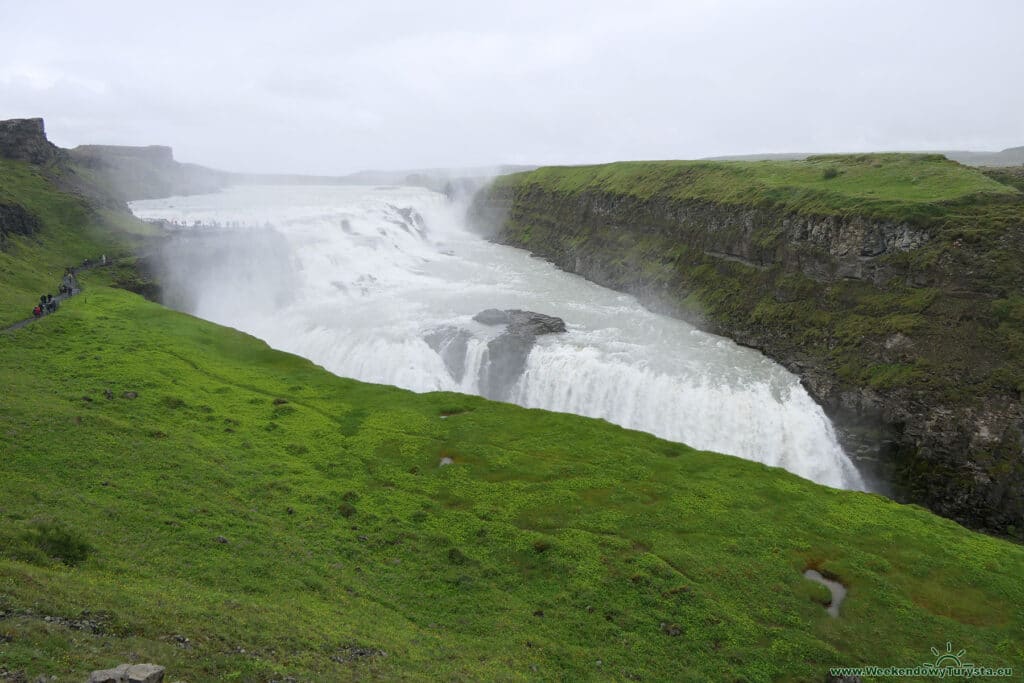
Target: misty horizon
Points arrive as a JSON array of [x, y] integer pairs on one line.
[[314, 88]]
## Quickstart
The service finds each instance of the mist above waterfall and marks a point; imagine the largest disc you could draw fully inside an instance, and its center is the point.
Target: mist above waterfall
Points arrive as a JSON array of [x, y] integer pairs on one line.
[[382, 284]]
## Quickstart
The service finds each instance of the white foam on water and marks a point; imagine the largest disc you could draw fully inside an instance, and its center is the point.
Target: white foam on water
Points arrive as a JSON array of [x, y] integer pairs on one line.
[[354, 278]]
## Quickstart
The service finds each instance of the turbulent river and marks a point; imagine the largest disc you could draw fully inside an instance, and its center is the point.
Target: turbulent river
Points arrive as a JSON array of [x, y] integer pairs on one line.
[[360, 279]]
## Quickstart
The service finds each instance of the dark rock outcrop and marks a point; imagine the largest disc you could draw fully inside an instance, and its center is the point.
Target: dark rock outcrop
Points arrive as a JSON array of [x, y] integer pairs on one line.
[[521, 322], [25, 140], [507, 353], [16, 220], [506, 361]]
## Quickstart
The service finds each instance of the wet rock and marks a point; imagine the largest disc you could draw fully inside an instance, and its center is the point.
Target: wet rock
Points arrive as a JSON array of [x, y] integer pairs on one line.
[[506, 361], [521, 322], [492, 316], [507, 353], [536, 324], [450, 343], [130, 395]]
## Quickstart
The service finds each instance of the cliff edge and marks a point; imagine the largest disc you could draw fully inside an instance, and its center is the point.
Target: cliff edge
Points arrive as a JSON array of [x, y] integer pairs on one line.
[[25, 140], [889, 283], [146, 172]]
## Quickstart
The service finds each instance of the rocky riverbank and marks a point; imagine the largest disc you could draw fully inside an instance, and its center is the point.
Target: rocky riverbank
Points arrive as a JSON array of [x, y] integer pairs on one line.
[[900, 316]]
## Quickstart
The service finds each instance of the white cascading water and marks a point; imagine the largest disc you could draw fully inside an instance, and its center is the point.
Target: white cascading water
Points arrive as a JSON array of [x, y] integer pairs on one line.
[[356, 279]]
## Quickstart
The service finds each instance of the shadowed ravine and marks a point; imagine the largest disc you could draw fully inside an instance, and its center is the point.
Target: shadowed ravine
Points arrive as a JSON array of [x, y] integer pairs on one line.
[[382, 285]]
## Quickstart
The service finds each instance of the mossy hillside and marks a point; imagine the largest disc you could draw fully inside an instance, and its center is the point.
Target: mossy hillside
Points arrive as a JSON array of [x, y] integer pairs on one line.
[[289, 522], [886, 186], [72, 229], [1008, 175]]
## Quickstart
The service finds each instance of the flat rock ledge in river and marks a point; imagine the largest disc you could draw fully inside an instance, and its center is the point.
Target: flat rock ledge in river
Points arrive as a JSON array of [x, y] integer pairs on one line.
[[521, 322], [507, 353]]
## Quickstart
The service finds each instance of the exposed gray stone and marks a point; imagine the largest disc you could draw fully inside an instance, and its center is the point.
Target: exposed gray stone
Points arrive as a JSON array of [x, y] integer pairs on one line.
[[492, 316], [507, 353], [129, 673], [536, 324], [145, 673], [118, 674], [450, 342]]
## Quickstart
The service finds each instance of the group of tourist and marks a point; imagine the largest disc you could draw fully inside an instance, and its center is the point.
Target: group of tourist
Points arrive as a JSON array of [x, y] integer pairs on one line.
[[68, 287]]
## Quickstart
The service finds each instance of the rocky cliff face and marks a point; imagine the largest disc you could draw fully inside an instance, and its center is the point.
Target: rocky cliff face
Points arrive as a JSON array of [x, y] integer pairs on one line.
[[892, 326], [15, 220], [25, 140], [146, 172], [151, 154]]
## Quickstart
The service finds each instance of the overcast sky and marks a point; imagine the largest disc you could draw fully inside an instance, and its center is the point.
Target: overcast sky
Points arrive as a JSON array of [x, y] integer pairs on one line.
[[336, 86]]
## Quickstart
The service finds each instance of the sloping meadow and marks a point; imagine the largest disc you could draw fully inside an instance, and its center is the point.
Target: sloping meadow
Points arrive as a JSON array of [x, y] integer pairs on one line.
[[177, 492]]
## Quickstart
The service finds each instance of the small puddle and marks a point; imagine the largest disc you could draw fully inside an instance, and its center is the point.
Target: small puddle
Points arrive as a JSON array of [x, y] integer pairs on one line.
[[838, 590]]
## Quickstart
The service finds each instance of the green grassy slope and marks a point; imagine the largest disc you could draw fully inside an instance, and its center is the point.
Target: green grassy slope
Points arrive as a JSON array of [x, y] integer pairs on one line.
[[555, 547], [71, 230], [890, 186]]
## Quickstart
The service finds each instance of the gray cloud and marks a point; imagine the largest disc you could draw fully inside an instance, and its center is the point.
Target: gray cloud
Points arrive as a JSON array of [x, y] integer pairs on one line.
[[329, 87]]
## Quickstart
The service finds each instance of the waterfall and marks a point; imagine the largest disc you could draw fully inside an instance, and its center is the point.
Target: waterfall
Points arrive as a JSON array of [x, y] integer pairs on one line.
[[381, 284]]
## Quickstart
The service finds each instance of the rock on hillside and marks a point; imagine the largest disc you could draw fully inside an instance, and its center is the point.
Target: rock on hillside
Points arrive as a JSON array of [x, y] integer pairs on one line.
[[25, 140], [15, 220]]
